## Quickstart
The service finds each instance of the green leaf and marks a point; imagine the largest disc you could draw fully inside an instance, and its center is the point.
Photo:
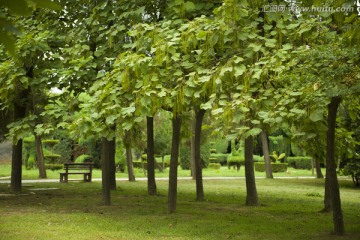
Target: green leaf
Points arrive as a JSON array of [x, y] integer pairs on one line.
[[189, 6], [317, 115], [206, 106], [18, 7], [48, 4], [239, 70], [8, 41]]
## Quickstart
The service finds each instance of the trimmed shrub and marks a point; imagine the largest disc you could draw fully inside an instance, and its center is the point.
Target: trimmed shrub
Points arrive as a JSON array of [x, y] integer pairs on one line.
[[30, 162], [218, 158], [235, 161], [301, 162], [214, 165], [53, 167], [276, 167], [139, 164], [258, 158], [51, 158], [83, 158]]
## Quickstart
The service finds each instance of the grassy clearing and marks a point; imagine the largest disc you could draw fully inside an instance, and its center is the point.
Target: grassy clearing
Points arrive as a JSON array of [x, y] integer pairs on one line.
[[5, 171], [289, 210]]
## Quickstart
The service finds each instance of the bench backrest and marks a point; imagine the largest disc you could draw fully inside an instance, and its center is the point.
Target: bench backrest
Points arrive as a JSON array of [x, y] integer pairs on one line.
[[78, 166]]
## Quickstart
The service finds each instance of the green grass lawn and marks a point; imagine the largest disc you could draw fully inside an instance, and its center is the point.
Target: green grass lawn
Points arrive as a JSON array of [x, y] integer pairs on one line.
[[289, 210], [5, 171]]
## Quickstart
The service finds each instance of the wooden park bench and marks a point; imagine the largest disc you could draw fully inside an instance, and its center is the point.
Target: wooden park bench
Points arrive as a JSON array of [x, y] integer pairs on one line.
[[77, 168]]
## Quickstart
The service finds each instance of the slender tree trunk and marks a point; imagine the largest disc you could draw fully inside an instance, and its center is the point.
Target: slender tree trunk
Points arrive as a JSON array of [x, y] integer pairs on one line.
[[16, 164], [175, 144], [112, 165], [327, 197], [105, 164], [40, 157], [16, 167], [265, 148], [150, 156], [251, 192], [129, 163], [331, 167], [199, 115], [318, 169], [192, 149]]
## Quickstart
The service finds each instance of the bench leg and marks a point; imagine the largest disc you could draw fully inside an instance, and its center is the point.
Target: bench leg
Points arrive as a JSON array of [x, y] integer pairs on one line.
[[87, 177], [63, 177]]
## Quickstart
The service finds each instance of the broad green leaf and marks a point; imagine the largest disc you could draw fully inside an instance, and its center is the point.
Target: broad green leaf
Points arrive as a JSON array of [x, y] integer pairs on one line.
[[317, 115], [189, 6], [18, 7], [239, 70], [48, 4]]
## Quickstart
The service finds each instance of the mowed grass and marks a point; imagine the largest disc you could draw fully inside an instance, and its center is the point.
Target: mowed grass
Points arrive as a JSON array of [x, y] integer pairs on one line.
[[5, 171], [289, 210]]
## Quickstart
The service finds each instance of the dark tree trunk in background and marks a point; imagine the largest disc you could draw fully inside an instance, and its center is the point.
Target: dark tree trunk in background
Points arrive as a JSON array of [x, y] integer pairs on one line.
[[331, 167], [175, 145], [16, 164], [192, 148], [105, 165], [150, 156], [40, 157], [265, 148], [251, 192], [199, 116], [112, 165], [318, 169], [129, 163]]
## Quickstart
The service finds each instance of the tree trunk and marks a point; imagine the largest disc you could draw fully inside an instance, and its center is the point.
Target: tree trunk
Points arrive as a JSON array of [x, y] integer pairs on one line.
[[16, 167], [40, 157], [251, 192], [129, 163], [105, 165], [16, 164], [327, 197], [265, 148], [318, 169], [175, 144], [192, 149], [150, 156], [331, 167], [199, 115], [112, 165]]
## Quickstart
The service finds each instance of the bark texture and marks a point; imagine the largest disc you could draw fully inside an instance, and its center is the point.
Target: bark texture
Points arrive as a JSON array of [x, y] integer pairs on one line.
[[251, 191], [175, 144], [339, 228], [265, 148], [199, 116], [150, 156], [112, 165], [129, 163], [40, 157], [105, 164]]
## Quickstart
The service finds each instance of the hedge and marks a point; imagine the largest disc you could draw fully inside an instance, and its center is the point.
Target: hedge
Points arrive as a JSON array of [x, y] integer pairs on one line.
[[235, 161], [219, 158], [214, 165], [83, 158], [276, 167], [258, 158], [54, 166], [300, 162]]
